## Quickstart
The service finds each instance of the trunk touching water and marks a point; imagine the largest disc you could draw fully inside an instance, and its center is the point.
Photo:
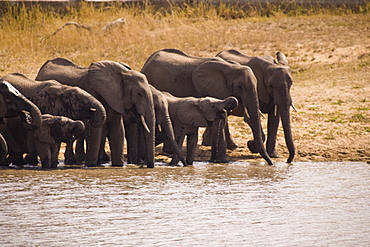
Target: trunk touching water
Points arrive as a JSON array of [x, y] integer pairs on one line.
[[255, 124], [171, 138]]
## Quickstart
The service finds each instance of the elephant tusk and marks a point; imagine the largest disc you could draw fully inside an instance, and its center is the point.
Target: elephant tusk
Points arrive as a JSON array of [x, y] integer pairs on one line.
[[25, 112], [263, 116], [159, 128], [275, 110], [295, 109], [246, 116], [93, 109], [144, 123]]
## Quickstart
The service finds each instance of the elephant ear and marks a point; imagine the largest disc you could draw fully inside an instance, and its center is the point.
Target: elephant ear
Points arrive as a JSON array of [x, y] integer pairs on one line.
[[189, 113], [106, 78], [230, 103], [210, 78], [282, 58], [43, 134], [78, 127]]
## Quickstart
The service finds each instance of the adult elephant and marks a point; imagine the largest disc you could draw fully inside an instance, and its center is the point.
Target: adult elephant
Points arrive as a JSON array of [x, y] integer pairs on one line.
[[274, 80], [51, 97], [182, 75], [134, 136], [13, 104], [121, 91]]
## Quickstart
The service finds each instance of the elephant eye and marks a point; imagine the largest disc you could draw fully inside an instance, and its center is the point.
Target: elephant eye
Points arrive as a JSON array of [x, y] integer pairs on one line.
[[139, 94]]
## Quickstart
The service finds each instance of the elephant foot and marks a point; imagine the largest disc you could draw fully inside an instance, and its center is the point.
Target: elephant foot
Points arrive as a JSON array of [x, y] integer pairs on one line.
[[167, 150], [105, 158], [70, 162], [219, 160], [150, 164], [252, 147], [273, 154], [206, 142], [232, 146], [31, 159]]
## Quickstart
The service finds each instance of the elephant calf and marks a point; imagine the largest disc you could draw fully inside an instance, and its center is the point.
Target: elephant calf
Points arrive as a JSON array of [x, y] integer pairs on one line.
[[44, 141], [189, 113]]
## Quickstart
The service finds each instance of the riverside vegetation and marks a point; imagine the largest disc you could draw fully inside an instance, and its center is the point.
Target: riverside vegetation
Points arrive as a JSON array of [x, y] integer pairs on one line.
[[328, 49]]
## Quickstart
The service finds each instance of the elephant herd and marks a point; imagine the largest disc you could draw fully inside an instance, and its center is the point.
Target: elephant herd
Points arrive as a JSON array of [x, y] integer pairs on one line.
[[169, 99]]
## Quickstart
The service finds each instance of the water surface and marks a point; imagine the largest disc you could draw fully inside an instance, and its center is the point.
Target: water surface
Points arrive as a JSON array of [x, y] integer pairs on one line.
[[302, 204]]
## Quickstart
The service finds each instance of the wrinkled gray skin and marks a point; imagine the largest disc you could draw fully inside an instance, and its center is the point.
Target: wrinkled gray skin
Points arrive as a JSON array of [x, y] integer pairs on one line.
[[47, 138], [274, 82], [13, 104], [134, 136], [120, 90], [183, 75], [51, 97], [190, 113]]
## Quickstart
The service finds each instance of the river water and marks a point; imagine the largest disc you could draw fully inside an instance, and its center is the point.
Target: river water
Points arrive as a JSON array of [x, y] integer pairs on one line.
[[235, 204]]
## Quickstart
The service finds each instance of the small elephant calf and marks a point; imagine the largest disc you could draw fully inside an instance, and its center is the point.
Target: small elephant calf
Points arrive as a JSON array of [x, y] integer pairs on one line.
[[44, 141], [189, 113]]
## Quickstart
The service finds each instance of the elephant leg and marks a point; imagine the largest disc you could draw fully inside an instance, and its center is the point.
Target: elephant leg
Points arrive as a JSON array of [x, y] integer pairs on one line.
[[272, 128], [69, 156], [102, 149], [252, 145], [218, 152], [167, 147], [54, 151], [44, 152], [132, 139], [105, 157], [93, 142], [180, 140], [192, 143], [116, 139], [80, 150], [231, 145], [207, 137]]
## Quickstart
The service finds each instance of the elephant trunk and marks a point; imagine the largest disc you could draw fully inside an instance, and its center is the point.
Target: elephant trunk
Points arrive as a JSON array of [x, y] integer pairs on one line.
[[252, 105], [31, 114], [171, 138], [98, 115], [285, 120], [3, 149]]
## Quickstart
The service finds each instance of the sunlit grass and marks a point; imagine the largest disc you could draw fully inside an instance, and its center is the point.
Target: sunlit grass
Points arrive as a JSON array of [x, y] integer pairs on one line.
[[199, 29]]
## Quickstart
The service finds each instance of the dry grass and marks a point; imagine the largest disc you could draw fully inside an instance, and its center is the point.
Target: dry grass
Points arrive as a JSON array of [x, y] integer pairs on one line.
[[328, 49]]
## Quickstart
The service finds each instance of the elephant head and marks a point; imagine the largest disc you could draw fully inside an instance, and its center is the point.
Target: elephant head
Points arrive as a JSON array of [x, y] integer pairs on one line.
[[13, 103], [57, 99], [58, 129], [128, 93], [202, 112], [219, 78], [274, 80], [81, 105]]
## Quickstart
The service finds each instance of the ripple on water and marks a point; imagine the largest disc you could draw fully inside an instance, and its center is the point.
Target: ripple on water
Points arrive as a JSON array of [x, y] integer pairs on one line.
[[205, 204]]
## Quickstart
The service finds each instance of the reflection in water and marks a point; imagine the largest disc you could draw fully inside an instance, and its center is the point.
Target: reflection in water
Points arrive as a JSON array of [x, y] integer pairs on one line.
[[205, 204]]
